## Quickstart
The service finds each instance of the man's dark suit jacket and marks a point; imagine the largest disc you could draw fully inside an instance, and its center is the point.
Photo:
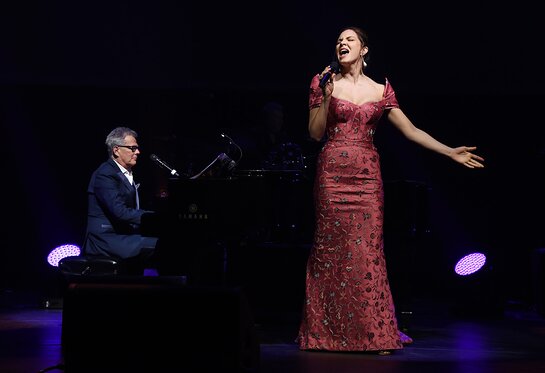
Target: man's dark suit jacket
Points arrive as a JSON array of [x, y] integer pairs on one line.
[[113, 219]]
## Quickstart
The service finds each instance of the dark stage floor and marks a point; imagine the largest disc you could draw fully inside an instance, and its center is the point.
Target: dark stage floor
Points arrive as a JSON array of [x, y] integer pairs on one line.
[[511, 342]]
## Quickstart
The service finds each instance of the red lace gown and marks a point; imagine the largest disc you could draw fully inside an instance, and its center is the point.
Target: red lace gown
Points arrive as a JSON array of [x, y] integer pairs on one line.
[[348, 304]]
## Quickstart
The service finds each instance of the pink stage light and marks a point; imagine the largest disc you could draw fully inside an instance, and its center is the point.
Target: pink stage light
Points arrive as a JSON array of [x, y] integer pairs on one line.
[[61, 252], [470, 263]]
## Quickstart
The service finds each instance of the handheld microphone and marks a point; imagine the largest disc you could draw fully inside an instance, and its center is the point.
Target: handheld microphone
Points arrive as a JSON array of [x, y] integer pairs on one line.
[[157, 160], [334, 68]]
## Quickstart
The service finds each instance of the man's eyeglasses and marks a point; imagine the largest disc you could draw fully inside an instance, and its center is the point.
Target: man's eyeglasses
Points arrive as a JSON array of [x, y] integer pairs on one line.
[[132, 147]]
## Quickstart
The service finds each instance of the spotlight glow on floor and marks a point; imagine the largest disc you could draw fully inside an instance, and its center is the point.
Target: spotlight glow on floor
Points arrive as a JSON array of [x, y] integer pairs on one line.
[[470, 263]]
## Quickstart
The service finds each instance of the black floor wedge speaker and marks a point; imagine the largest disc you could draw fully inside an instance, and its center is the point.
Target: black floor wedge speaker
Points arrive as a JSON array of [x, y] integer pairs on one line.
[[140, 325]]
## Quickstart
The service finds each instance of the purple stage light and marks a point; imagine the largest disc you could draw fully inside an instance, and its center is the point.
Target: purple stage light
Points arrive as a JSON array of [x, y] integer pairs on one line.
[[61, 252], [470, 263]]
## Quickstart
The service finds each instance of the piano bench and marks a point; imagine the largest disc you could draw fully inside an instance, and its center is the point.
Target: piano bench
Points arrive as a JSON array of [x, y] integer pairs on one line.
[[86, 265]]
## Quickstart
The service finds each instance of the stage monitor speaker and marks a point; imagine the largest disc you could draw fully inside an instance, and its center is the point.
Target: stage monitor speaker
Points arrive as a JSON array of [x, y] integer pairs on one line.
[[151, 327]]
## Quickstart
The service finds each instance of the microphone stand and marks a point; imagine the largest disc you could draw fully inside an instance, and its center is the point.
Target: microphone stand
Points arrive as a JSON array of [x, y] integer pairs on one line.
[[231, 142]]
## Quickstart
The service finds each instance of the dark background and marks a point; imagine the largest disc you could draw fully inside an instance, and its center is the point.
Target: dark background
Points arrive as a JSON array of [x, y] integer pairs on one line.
[[180, 73]]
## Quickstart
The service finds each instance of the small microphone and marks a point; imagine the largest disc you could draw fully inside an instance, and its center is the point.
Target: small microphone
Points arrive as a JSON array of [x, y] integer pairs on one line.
[[227, 137], [334, 68], [161, 163]]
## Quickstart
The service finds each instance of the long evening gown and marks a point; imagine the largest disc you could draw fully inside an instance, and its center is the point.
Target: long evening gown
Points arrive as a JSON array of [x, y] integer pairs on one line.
[[348, 303]]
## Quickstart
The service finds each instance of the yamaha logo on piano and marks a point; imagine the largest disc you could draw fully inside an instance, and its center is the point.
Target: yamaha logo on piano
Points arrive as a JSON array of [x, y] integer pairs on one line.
[[193, 214], [194, 217]]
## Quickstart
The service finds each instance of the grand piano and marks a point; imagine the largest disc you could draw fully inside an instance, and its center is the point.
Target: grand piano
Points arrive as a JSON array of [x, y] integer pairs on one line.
[[199, 219]]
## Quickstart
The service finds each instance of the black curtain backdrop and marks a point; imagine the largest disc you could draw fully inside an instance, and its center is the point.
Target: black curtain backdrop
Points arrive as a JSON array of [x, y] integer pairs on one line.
[[182, 73]]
